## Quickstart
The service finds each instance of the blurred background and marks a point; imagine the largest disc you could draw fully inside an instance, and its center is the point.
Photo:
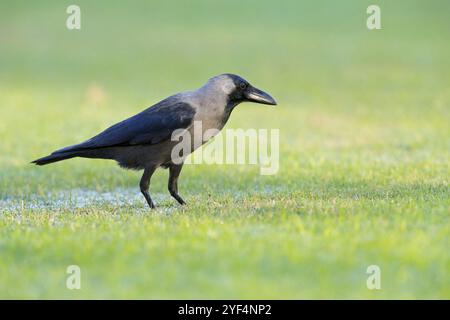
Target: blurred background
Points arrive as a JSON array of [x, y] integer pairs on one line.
[[338, 83], [363, 118]]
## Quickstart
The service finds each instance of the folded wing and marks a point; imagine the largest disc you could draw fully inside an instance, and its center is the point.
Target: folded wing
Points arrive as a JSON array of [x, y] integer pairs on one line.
[[151, 126]]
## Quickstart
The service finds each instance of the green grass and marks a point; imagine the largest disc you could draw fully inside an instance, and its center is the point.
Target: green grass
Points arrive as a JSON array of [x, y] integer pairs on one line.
[[364, 155]]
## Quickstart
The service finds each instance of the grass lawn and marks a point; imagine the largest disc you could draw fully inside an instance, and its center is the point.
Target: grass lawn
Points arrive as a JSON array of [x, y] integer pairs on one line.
[[364, 151]]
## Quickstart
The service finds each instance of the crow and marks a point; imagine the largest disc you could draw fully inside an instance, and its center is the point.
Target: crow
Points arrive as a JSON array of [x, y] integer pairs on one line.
[[145, 142]]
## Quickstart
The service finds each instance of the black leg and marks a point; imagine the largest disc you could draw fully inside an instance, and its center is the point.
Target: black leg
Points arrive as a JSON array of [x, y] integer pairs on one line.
[[145, 184], [174, 172]]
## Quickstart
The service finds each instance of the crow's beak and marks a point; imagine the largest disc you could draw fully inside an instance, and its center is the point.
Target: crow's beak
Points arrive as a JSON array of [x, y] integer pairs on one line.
[[255, 95]]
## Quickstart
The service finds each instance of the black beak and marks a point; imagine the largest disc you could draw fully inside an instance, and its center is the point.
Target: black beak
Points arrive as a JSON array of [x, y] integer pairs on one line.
[[255, 95]]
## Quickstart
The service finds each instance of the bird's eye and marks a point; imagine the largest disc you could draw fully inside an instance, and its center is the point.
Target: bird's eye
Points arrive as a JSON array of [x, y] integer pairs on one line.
[[242, 85]]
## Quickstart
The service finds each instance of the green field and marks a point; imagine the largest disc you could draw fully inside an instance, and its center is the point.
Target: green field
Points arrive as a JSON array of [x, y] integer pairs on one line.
[[364, 151]]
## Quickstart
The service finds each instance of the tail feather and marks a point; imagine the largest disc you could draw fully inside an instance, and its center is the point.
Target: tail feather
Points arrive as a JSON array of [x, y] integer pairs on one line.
[[55, 157]]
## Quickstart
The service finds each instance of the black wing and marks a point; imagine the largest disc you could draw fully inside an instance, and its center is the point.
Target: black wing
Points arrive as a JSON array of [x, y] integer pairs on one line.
[[151, 126]]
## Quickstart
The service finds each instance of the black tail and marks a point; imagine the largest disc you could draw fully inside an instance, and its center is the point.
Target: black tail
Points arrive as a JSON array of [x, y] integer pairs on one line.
[[55, 157]]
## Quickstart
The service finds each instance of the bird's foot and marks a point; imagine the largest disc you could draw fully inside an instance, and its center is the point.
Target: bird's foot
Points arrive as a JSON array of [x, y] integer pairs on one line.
[[178, 198], [149, 200]]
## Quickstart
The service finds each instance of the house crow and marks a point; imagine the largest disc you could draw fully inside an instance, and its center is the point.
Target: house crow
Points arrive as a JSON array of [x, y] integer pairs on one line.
[[144, 141]]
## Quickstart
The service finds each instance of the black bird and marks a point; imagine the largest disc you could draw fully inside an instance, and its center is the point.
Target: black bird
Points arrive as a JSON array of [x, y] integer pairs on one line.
[[144, 141]]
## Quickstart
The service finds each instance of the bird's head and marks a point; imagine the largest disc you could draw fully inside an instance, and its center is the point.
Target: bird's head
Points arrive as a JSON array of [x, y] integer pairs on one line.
[[238, 90]]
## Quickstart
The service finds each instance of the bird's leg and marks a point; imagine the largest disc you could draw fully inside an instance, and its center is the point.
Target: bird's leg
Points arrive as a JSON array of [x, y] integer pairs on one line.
[[174, 172], [145, 184]]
